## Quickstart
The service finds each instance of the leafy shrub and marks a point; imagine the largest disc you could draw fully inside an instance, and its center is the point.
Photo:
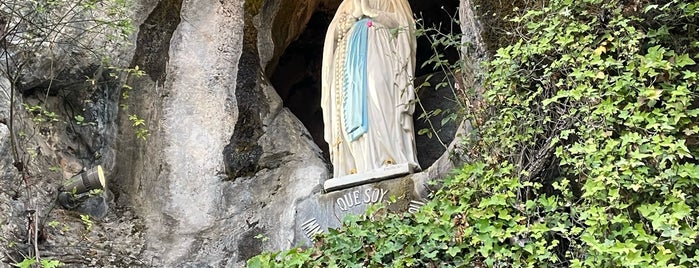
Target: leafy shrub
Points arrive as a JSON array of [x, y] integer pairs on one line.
[[586, 156]]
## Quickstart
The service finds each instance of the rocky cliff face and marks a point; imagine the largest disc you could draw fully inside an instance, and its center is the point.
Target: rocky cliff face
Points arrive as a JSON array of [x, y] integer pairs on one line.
[[227, 171], [225, 163]]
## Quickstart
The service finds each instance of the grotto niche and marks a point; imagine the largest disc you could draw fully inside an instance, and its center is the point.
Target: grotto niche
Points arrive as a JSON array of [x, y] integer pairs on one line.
[[297, 75]]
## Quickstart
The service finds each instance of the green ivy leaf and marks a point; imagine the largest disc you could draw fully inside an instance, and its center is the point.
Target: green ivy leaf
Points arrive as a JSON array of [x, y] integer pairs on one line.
[[684, 60], [26, 263]]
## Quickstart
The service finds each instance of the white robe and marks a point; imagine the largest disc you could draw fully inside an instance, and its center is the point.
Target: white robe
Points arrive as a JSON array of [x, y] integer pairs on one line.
[[390, 69]]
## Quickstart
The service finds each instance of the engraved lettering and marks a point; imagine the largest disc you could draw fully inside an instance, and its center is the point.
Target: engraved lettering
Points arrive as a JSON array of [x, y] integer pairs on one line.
[[341, 204], [415, 206], [311, 227], [375, 196], [350, 202], [367, 196], [357, 198]]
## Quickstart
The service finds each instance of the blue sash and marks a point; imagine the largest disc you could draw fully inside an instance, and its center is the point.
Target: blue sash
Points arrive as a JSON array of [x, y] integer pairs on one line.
[[354, 105]]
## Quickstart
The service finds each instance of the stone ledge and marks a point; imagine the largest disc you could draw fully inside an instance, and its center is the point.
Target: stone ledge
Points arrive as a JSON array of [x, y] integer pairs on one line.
[[368, 177]]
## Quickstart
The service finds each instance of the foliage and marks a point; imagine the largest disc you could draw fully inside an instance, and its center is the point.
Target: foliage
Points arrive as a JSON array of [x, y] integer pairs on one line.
[[138, 123], [586, 154], [598, 115], [51, 34], [441, 41], [40, 115], [48, 263], [28, 27], [42, 33], [87, 222], [35, 31], [499, 29], [44, 263], [262, 237], [26, 263]]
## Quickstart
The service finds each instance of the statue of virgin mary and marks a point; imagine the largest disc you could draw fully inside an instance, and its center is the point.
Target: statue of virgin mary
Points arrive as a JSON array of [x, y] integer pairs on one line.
[[367, 90]]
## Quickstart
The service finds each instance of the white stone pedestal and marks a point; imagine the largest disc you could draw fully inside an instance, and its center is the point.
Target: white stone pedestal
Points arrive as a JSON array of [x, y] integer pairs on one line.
[[375, 175]]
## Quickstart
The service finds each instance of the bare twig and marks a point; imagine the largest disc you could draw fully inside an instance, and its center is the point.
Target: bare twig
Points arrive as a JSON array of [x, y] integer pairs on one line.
[[36, 236]]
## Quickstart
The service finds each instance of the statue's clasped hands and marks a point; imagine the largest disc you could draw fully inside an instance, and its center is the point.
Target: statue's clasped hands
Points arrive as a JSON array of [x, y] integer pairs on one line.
[[362, 8]]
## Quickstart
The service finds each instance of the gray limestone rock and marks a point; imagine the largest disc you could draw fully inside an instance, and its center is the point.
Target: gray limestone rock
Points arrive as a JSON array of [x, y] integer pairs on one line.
[[11, 209], [4, 100], [225, 165], [227, 171]]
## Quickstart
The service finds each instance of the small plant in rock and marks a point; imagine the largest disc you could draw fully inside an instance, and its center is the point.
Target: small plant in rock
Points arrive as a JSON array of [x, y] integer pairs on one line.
[[54, 224], [44, 263], [262, 237], [87, 222], [80, 121], [138, 123], [140, 126], [55, 168], [40, 115]]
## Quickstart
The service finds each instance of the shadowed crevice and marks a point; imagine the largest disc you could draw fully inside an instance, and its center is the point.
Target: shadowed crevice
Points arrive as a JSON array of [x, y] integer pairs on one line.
[[242, 155], [153, 44]]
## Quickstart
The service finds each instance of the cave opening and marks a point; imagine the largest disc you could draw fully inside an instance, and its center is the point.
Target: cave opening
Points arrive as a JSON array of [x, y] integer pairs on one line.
[[297, 76]]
